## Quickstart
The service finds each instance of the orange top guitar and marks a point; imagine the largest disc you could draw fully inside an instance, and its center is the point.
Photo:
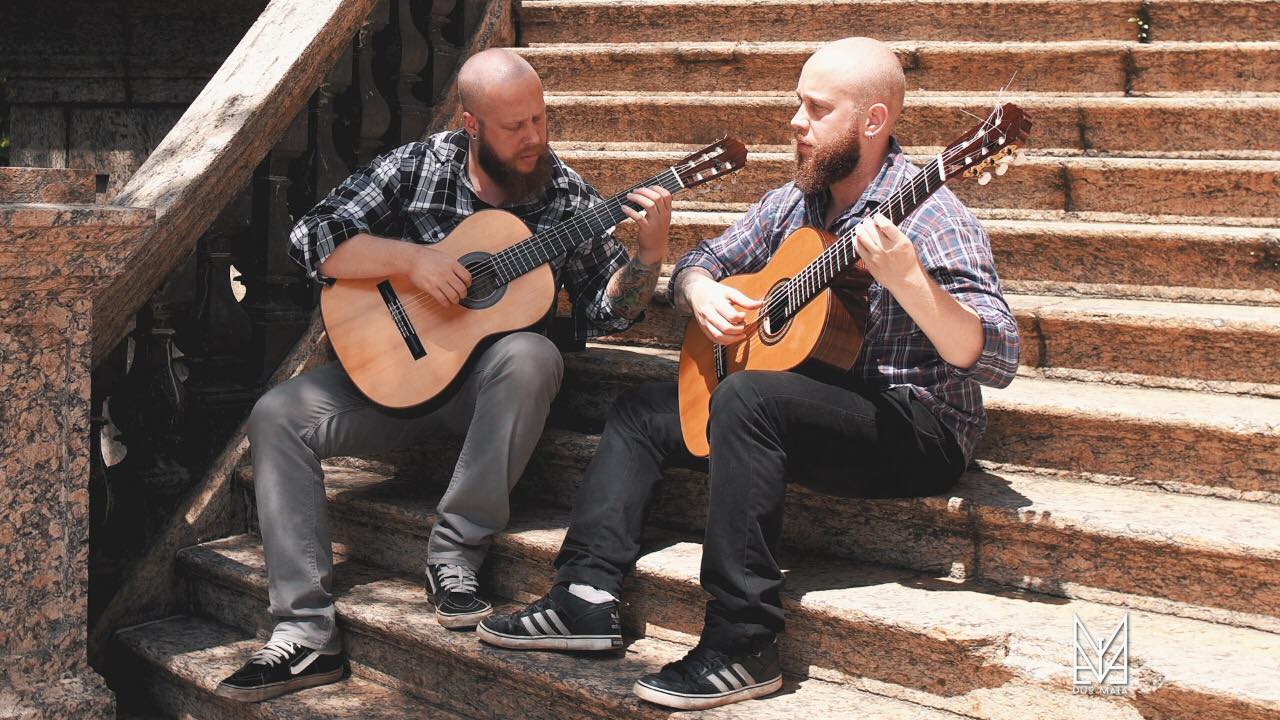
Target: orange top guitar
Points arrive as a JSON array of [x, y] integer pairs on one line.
[[401, 348], [805, 318]]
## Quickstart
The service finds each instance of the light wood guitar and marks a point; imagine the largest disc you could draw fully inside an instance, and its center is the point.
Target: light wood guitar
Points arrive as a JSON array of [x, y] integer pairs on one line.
[[401, 348], [807, 317]]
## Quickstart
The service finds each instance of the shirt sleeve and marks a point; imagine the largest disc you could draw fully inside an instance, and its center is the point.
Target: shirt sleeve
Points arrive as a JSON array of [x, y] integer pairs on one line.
[[742, 247], [959, 259], [586, 276], [367, 200]]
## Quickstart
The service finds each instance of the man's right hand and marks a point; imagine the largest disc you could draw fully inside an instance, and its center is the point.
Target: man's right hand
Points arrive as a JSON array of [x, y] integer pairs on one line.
[[719, 309], [439, 275]]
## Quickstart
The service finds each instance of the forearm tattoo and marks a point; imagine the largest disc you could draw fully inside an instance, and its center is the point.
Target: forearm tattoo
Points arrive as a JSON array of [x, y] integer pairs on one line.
[[632, 286]]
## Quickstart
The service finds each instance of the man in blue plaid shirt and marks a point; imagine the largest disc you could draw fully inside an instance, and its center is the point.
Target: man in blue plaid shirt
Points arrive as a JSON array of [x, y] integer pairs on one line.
[[903, 422], [418, 193]]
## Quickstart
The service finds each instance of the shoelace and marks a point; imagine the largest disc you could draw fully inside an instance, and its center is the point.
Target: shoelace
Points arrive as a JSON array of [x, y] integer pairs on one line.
[[457, 578], [698, 662], [274, 652]]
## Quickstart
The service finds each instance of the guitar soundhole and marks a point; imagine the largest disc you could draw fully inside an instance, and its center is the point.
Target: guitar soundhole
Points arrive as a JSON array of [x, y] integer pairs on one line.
[[775, 316], [485, 290]]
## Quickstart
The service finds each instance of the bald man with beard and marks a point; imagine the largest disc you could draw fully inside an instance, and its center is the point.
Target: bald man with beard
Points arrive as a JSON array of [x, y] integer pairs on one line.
[[382, 221], [903, 422]]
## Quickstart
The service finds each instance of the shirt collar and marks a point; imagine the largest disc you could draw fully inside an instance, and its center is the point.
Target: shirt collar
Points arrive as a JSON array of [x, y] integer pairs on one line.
[[891, 174], [456, 149]]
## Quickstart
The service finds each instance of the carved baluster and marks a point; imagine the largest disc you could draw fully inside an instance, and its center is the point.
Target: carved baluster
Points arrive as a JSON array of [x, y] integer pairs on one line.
[[374, 75], [330, 163], [412, 97], [445, 38], [278, 298]]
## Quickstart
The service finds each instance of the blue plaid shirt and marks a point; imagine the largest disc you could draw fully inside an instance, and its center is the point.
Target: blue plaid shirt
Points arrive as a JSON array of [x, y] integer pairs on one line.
[[420, 192], [955, 252]]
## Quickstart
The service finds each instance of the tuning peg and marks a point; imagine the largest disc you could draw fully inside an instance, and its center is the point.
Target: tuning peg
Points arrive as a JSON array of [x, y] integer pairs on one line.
[[984, 178], [1002, 168], [1018, 157]]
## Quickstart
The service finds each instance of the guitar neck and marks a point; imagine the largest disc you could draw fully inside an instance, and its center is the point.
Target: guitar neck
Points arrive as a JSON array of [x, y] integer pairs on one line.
[[545, 246], [843, 253]]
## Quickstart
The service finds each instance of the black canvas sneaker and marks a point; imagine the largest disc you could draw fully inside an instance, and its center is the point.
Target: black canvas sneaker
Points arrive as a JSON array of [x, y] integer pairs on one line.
[[559, 620], [707, 678], [453, 589], [282, 666]]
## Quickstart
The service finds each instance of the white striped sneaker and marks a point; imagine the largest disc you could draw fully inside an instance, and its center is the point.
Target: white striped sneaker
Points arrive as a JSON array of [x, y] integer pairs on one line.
[[557, 621], [707, 678]]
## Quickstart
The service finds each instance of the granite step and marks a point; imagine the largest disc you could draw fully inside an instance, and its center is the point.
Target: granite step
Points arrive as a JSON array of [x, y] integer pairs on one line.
[[390, 630], [1185, 440], [1202, 263], [957, 643], [1089, 67], [1232, 188], [1197, 127], [1222, 347], [47, 185], [1015, 528], [174, 665], [560, 21]]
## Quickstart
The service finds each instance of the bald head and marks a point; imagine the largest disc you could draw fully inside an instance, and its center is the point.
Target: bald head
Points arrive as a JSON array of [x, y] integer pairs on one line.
[[492, 78], [860, 70]]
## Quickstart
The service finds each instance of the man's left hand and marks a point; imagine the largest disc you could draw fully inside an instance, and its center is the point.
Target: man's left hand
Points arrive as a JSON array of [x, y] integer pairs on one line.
[[886, 251], [654, 222]]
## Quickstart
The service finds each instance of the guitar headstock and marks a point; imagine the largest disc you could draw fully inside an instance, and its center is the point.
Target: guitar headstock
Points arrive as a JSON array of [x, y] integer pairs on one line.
[[713, 161], [992, 144]]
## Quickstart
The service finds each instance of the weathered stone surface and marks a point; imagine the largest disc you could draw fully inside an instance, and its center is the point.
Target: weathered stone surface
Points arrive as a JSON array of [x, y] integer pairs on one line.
[[963, 646], [177, 663], [390, 627], [45, 185], [1213, 20], [1233, 127], [1143, 337], [1092, 67], [559, 21], [44, 530], [1193, 259], [1121, 185], [56, 247], [1150, 434]]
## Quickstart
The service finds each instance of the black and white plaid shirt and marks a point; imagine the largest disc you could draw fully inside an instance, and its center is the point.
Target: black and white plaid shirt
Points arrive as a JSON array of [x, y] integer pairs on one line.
[[421, 191]]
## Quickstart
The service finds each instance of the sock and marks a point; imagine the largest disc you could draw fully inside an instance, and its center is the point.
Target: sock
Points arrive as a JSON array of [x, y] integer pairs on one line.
[[590, 594]]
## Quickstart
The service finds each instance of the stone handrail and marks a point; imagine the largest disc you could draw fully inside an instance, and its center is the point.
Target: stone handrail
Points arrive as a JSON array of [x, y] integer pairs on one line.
[[212, 151]]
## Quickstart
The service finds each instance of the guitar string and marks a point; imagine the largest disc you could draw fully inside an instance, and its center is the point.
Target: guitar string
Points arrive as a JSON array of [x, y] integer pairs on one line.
[[547, 239]]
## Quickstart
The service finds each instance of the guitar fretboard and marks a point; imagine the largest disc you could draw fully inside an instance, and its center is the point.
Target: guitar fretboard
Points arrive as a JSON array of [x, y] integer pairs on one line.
[[841, 254], [547, 245]]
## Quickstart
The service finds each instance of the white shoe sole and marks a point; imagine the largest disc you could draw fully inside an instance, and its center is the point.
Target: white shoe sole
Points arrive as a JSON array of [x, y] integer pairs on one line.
[[454, 622], [266, 692], [549, 642], [703, 702]]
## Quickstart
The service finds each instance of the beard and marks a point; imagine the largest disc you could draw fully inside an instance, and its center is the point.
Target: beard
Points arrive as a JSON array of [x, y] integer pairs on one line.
[[516, 186], [828, 163]]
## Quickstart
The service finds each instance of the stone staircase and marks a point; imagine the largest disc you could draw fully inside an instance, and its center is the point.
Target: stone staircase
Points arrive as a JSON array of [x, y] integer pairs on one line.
[[1133, 467]]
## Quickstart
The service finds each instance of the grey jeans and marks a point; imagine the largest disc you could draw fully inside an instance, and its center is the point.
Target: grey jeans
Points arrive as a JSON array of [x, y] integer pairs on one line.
[[500, 408]]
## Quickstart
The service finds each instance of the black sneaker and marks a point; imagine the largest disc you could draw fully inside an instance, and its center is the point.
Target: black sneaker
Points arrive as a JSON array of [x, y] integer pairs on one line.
[[452, 589], [706, 678], [282, 666], [560, 620]]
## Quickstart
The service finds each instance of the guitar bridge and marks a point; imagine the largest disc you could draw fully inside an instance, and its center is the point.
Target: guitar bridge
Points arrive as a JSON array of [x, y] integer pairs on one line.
[[403, 324], [717, 353]]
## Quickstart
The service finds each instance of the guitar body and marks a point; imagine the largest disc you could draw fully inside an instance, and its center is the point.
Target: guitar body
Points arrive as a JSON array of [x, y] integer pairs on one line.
[[827, 330], [399, 364]]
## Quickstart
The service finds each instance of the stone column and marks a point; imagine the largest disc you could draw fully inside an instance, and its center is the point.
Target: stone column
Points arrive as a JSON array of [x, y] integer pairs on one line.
[[45, 362]]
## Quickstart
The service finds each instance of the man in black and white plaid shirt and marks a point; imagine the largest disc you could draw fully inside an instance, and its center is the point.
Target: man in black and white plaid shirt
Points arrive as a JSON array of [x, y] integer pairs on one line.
[[419, 193]]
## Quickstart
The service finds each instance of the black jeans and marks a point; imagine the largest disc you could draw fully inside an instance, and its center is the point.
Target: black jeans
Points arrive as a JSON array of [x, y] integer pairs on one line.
[[766, 427]]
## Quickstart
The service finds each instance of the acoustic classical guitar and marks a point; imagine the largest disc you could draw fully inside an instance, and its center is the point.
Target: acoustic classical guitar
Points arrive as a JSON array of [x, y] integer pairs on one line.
[[806, 317], [402, 348]]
